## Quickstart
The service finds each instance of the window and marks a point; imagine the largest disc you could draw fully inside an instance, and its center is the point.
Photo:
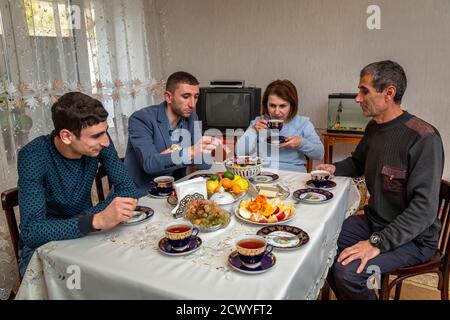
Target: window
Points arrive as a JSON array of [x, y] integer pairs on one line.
[[42, 19]]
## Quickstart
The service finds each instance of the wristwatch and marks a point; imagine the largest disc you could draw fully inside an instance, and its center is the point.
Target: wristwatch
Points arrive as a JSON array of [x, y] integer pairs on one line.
[[375, 239], [175, 147]]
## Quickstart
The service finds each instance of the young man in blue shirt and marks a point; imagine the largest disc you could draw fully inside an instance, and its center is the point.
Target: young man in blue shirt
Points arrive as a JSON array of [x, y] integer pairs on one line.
[[56, 173]]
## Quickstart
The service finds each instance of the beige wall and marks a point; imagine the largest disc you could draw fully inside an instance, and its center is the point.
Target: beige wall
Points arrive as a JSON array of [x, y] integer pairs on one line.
[[320, 45]]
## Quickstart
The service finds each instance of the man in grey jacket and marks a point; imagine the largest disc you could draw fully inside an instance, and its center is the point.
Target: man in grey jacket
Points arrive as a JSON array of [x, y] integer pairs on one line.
[[164, 139]]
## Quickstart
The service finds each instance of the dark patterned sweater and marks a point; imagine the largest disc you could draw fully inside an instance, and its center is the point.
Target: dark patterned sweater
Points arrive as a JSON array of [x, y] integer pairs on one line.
[[55, 192], [402, 161]]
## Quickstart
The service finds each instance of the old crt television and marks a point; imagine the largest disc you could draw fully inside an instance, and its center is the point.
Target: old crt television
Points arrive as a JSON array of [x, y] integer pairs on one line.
[[228, 108]]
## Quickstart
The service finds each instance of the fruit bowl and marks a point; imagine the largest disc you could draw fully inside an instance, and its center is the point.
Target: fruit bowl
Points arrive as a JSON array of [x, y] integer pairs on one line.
[[244, 166]]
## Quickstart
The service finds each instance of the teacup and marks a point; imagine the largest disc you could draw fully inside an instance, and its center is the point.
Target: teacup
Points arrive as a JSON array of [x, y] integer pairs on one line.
[[180, 233], [252, 249], [275, 124], [163, 185], [320, 178]]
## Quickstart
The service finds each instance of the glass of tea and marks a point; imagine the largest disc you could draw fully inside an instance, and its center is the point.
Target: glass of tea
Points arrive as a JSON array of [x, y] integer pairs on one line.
[[180, 233], [252, 249]]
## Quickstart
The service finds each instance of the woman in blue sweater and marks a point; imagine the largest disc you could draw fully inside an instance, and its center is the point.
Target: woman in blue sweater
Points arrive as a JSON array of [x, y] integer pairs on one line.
[[280, 101]]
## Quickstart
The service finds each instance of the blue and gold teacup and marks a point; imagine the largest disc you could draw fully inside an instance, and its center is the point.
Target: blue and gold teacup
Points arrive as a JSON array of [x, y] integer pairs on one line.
[[252, 249], [163, 185], [180, 233], [320, 178]]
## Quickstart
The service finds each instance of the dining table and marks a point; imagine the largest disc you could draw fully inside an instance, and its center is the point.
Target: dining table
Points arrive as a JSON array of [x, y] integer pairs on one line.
[[126, 262]]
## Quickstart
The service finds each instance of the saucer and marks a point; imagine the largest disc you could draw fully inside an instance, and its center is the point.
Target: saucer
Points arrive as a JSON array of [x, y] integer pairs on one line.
[[312, 195], [330, 185], [152, 194], [264, 177], [275, 141], [141, 214], [166, 248], [266, 264], [275, 234]]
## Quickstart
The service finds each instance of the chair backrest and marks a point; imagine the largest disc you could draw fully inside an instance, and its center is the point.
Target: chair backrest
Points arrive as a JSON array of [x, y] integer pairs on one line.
[[10, 199], [101, 173], [444, 217]]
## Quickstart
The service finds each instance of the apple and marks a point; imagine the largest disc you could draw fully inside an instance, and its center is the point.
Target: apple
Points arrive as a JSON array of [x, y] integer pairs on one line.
[[245, 213], [272, 219], [263, 219], [276, 210], [281, 215]]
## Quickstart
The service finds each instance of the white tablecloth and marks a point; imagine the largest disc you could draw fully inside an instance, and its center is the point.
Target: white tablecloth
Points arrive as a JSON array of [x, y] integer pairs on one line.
[[125, 263]]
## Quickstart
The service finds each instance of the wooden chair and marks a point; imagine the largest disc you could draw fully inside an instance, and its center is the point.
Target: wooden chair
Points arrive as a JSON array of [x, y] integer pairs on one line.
[[439, 263], [10, 200], [101, 173]]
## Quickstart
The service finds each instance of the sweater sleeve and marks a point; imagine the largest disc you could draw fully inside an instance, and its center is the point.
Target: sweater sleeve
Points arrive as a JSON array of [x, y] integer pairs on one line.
[[36, 227], [117, 174], [422, 188], [354, 165], [311, 145], [247, 143]]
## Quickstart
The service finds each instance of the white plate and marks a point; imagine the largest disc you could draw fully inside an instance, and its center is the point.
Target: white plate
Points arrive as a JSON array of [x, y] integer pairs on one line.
[[238, 215]]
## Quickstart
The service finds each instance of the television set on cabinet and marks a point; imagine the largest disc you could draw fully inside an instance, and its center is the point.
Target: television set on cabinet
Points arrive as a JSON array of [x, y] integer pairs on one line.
[[228, 108]]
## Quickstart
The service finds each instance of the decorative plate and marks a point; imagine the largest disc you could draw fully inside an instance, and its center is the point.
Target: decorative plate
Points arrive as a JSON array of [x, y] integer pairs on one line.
[[141, 214], [265, 177], [330, 185], [184, 203], [267, 262], [165, 247], [312, 195], [284, 237]]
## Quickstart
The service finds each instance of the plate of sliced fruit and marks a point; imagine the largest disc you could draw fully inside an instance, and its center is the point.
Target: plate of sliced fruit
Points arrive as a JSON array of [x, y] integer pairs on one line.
[[263, 211]]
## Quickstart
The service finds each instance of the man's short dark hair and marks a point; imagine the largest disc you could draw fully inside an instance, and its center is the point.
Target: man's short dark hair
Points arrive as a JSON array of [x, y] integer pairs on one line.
[[180, 77], [75, 111], [387, 73]]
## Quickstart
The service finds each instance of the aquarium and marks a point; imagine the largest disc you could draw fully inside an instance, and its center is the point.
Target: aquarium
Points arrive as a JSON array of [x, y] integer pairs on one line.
[[344, 114]]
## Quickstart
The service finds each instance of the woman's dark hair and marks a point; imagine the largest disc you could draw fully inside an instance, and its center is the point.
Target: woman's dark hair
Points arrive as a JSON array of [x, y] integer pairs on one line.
[[75, 111], [286, 91]]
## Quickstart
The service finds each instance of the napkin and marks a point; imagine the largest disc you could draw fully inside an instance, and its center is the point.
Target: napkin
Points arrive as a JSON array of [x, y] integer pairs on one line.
[[184, 188]]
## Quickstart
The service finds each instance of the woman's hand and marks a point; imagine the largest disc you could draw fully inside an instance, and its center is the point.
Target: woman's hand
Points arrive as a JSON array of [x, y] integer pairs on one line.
[[261, 124], [292, 142]]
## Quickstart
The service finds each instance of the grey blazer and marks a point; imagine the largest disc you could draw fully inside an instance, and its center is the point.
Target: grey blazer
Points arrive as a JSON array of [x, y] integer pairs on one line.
[[148, 135]]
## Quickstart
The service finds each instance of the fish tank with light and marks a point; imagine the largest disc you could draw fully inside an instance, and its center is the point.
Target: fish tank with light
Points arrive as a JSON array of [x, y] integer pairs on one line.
[[345, 115]]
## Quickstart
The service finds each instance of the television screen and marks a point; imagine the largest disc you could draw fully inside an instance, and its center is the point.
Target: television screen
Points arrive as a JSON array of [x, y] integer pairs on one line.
[[228, 109]]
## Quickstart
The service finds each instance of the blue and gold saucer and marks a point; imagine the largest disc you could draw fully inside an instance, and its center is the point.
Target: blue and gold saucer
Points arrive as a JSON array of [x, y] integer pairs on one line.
[[328, 186], [267, 262], [165, 247]]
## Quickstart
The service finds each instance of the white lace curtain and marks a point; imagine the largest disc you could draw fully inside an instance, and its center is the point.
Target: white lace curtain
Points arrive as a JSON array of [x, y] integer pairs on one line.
[[105, 48]]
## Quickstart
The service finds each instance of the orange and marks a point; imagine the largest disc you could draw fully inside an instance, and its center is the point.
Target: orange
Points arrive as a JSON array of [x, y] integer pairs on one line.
[[236, 189], [227, 183], [218, 186]]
